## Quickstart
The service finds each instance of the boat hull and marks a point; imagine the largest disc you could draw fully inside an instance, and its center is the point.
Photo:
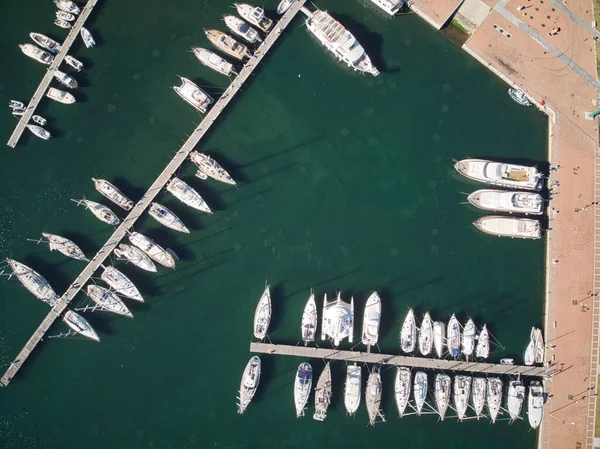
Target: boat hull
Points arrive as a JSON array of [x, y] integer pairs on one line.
[[262, 315]]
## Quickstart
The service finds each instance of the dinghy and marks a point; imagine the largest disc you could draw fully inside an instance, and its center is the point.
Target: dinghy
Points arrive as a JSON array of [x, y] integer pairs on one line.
[[529, 356], [426, 335], [371, 320], [156, 252], [535, 404], [64, 246], [373, 397], [108, 300], [309, 320], [402, 388], [462, 392], [439, 337], [509, 202], [539, 346], [500, 174], [135, 256], [323, 394], [80, 325], [302, 386], [249, 383], [262, 315], [516, 396], [478, 394], [420, 390], [33, 281], [500, 226], [483, 344], [442, 393], [100, 211], [120, 283], [338, 320], [494, 397], [207, 166], [352, 388], [167, 218], [453, 336], [111, 192], [408, 333], [468, 338]]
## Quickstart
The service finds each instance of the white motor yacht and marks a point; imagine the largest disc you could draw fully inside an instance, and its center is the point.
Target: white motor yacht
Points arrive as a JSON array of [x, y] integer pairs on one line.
[[535, 404], [500, 174], [213, 61], [420, 390], [242, 29], [482, 350], [443, 385], [36, 53], [187, 195], [14, 104], [100, 211], [510, 202], [135, 256], [60, 95], [500, 226], [426, 335], [373, 396], [120, 283], [65, 79], [67, 16], [193, 95], [453, 336], [111, 192], [323, 394], [75, 63], [439, 337], [33, 281], [478, 394], [462, 393], [249, 383], [402, 387], [516, 396], [262, 315], [64, 246], [309, 320], [207, 166], [62, 23], [40, 132], [302, 387], [390, 6], [39, 120], [352, 388], [408, 333], [45, 42], [468, 338], [338, 320], [255, 15], [371, 320], [167, 218], [152, 249], [494, 397], [87, 37], [80, 325], [284, 5], [108, 300], [67, 6], [227, 44]]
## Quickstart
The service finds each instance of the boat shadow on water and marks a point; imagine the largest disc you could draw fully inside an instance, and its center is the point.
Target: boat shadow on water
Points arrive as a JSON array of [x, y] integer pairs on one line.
[[165, 293], [231, 167], [58, 280], [276, 152]]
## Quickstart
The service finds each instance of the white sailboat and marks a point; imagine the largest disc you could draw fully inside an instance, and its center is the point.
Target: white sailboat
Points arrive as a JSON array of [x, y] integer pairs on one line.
[[338, 320], [135, 256], [494, 397], [309, 320], [352, 388], [207, 166], [213, 61], [439, 337], [33, 281], [539, 346], [121, 283], [420, 390], [500, 174], [482, 350], [371, 320], [255, 15], [408, 333], [509, 202], [262, 315], [453, 337], [80, 325], [107, 300], [478, 394], [516, 396], [111, 192], [402, 387], [64, 246], [426, 335], [535, 404], [468, 338], [249, 383], [373, 396], [242, 29], [302, 387], [187, 195], [442, 393], [167, 218], [462, 393], [529, 356], [323, 394], [156, 252]]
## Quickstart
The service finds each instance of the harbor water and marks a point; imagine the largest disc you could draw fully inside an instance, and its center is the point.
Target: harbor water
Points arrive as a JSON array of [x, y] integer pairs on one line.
[[345, 182]]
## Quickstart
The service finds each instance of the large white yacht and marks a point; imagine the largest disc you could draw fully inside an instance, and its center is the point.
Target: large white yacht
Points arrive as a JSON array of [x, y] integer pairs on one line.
[[227, 44], [302, 387], [242, 29], [208, 167], [339, 41], [64, 246], [352, 388], [135, 256], [80, 325], [187, 195], [45, 42], [249, 383], [255, 15], [510, 202], [501, 226], [338, 320], [65, 80], [67, 6], [500, 174], [152, 249], [60, 95], [213, 61], [535, 404], [371, 320], [193, 95], [111, 192], [33, 281], [120, 283], [167, 218], [36, 53], [108, 300]]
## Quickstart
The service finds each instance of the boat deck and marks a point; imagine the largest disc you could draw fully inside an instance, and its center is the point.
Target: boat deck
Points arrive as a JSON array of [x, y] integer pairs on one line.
[[397, 360], [152, 192], [47, 79]]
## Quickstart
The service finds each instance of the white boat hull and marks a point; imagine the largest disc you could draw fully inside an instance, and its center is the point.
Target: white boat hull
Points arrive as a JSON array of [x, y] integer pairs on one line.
[[371, 320], [262, 316]]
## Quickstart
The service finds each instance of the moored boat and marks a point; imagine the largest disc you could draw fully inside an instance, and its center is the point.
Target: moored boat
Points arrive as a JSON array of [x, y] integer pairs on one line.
[[516, 396], [65, 79], [14, 104], [262, 315], [309, 320], [420, 390], [529, 356], [167, 218], [483, 344], [87, 37], [302, 386], [539, 346], [33, 281], [535, 404], [494, 397], [402, 387], [187, 195], [39, 120], [213, 61], [107, 300], [468, 338], [462, 393], [67, 6], [45, 42], [38, 131], [60, 95], [284, 5], [249, 383], [338, 320], [67, 16], [371, 320], [373, 396], [426, 335], [100, 211], [453, 336], [519, 96], [500, 226], [500, 174], [80, 325], [323, 394], [75, 63], [352, 388], [389, 6], [439, 337], [227, 44], [135, 256], [62, 23], [193, 95], [408, 333], [156, 252], [37, 53], [478, 394], [242, 29], [255, 15], [207, 166], [120, 283], [64, 246], [111, 192], [442, 393], [505, 201]]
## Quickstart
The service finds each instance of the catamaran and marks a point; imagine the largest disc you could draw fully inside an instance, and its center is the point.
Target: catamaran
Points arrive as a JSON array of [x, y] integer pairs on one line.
[[262, 315], [213, 61], [389, 6], [242, 29], [227, 44], [373, 396], [439, 337], [339, 41], [87, 37], [442, 393], [100, 211], [152, 249], [60, 95], [462, 393], [500, 226], [426, 335], [80, 325], [108, 300], [352, 388], [478, 394], [64, 246], [338, 320], [510, 202], [302, 386], [453, 336], [121, 283], [38, 131], [402, 387], [111, 192], [539, 346], [187, 195], [36, 53], [309, 320], [65, 79], [33, 281], [207, 166], [135, 256], [494, 397], [323, 394], [535, 404], [371, 320], [167, 218], [75, 63], [500, 174], [408, 333], [255, 15], [193, 95], [67, 6], [516, 396], [468, 338], [249, 383], [45, 42], [420, 390], [482, 350], [529, 356]]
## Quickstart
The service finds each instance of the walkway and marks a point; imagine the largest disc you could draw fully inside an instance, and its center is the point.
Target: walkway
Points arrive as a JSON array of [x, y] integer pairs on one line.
[[47, 79], [154, 189]]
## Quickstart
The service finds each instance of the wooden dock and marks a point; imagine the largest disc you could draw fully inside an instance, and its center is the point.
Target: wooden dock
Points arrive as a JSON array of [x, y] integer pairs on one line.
[[152, 192], [397, 360], [47, 79]]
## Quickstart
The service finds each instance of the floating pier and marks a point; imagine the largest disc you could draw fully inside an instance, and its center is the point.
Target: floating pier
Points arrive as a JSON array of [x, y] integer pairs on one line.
[[152, 192], [398, 360], [47, 79]]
